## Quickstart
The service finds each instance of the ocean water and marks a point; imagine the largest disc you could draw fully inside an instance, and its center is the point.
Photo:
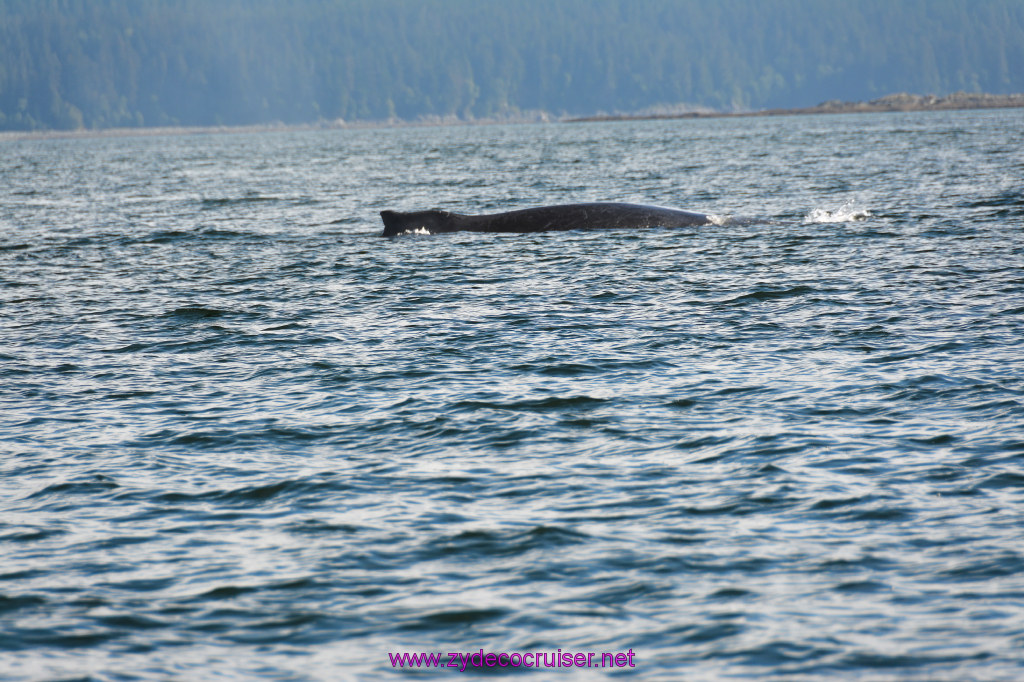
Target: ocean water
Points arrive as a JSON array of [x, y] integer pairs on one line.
[[242, 436]]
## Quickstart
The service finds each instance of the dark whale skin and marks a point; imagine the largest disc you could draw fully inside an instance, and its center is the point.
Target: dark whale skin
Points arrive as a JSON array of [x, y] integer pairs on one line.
[[593, 216]]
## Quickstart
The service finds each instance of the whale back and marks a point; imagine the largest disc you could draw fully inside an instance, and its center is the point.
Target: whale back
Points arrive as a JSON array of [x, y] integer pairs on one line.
[[540, 219]]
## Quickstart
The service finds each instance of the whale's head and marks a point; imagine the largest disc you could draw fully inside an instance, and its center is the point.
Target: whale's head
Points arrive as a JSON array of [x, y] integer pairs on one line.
[[429, 222]]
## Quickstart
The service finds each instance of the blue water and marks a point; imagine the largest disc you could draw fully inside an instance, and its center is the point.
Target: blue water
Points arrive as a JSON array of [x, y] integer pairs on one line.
[[242, 436]]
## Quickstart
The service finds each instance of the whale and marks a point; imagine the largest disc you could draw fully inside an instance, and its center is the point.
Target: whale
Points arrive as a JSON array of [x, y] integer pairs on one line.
[[560, 217]]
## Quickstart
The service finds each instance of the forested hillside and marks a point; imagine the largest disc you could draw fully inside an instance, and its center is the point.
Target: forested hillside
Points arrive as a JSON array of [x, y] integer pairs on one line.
[[102, 63]]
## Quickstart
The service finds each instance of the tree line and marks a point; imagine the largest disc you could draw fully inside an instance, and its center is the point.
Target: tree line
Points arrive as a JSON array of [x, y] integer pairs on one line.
[[67, 64]]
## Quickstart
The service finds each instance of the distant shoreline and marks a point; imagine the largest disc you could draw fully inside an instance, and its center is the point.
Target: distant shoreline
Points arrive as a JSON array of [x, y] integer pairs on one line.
[[889, 103], [902, 102]]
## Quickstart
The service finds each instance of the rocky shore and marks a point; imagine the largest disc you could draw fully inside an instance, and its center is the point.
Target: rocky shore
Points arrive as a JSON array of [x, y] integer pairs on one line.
[[898, 102]]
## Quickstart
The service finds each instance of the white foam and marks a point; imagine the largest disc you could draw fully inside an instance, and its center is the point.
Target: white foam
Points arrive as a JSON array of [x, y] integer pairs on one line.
[[844, 214]]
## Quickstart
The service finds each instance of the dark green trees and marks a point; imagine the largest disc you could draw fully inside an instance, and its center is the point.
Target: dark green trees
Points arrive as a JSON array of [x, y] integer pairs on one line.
[[103, 63]]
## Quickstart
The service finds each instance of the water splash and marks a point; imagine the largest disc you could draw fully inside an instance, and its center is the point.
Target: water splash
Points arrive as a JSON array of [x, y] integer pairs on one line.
[[417, 231], [846, 213]]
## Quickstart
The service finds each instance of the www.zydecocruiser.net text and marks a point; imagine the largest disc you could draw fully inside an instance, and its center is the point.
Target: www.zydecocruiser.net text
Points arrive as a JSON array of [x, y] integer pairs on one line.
[[515, 659]]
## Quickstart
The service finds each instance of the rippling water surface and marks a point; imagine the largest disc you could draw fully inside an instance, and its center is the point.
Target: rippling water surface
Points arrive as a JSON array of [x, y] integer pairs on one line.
[[244, 436]]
